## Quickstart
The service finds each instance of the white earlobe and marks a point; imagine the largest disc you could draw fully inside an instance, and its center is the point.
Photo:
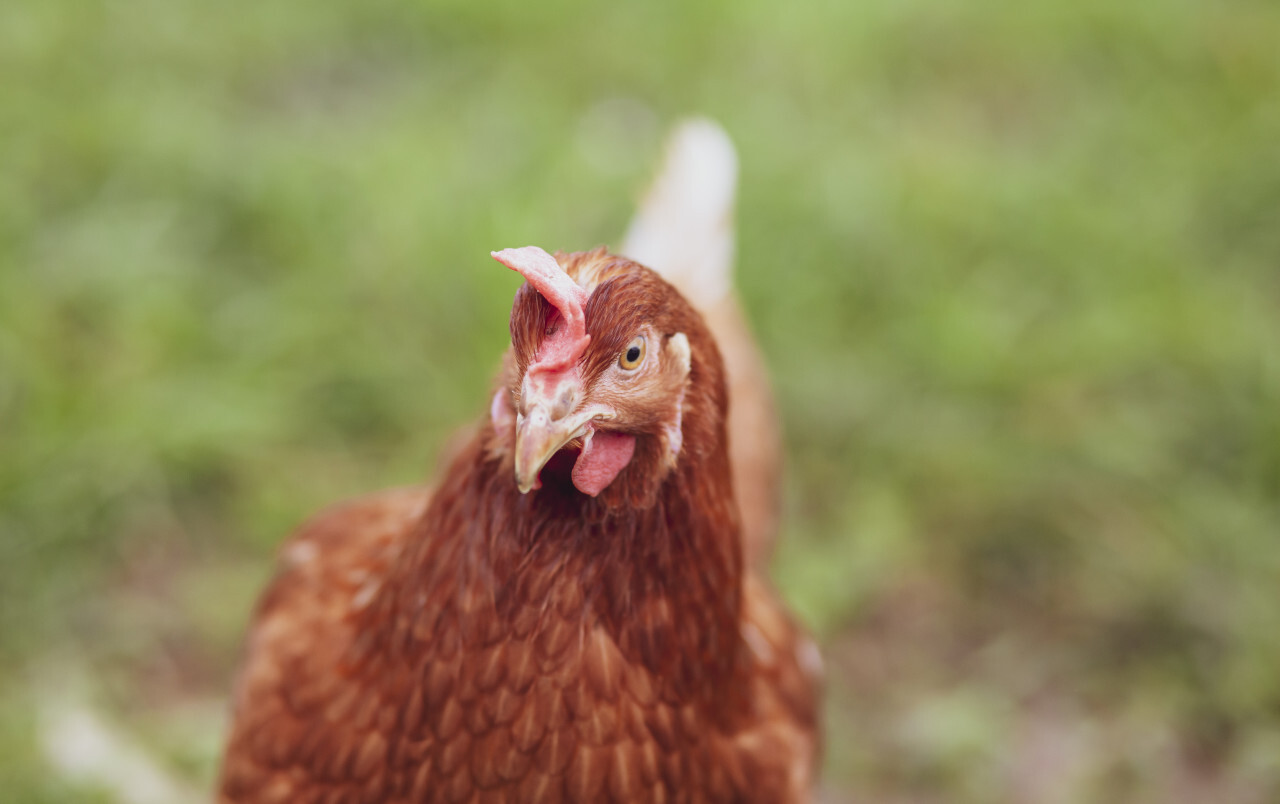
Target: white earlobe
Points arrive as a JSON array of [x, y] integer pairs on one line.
[[501, 412], [678, 351], [680, 362]]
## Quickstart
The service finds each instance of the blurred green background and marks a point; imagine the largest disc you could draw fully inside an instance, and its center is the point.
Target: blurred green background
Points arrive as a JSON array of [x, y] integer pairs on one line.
[[1016, 268]]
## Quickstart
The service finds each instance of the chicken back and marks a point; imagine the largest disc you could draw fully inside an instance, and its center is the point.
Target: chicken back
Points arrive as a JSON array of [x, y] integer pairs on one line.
[[566, 617]]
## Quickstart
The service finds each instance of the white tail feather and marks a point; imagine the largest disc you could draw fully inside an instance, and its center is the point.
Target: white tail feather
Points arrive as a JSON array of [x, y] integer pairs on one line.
[[684, 227], [684, 231]]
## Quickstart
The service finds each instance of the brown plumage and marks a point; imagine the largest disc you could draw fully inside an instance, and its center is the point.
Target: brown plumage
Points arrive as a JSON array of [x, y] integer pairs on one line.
[[594, 639]]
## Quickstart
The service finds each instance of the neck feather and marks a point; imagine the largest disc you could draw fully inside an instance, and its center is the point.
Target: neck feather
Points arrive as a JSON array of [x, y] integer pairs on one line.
[[664, 580]]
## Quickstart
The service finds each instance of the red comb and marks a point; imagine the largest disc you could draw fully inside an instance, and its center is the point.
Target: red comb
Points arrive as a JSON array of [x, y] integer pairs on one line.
[[563, 346]]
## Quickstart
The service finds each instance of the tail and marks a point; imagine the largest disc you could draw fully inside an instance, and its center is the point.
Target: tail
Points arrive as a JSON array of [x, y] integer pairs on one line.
[[684, 227], [684, 231]]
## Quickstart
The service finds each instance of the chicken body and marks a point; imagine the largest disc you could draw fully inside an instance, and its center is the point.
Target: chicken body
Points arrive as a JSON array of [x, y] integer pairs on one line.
[[477, 643]]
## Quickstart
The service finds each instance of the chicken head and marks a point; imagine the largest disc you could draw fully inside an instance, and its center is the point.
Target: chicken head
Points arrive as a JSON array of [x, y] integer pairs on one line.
[[599, 365]]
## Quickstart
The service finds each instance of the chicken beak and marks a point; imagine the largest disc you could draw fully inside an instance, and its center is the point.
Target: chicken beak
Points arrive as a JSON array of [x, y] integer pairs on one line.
[[538, 437]]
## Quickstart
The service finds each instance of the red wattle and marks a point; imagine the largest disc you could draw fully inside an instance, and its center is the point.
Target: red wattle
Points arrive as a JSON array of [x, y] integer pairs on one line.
[[604, 455]]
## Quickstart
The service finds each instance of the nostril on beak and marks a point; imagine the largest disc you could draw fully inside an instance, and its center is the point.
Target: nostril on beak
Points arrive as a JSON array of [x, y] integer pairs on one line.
[[563, 404]]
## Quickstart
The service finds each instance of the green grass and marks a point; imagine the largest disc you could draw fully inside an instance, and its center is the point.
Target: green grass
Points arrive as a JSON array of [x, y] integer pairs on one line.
[[1015, 268]]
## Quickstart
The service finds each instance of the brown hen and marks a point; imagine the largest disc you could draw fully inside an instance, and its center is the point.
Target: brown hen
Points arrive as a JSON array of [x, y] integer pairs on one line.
[[567, 617]]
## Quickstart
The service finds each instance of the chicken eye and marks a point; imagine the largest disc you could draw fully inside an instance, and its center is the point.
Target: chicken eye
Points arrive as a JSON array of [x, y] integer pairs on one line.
[[634, 355]]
